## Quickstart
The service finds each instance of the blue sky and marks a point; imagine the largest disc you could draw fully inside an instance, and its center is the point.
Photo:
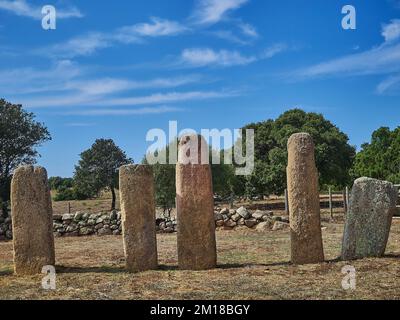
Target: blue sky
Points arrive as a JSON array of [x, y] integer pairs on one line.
[[118, 69]]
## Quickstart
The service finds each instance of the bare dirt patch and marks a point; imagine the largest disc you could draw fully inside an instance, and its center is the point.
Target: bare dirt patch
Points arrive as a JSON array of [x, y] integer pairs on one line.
[[251, 265]]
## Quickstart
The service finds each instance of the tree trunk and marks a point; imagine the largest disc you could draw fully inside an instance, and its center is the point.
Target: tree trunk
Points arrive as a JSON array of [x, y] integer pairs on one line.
[[113, 198], [4, 208]]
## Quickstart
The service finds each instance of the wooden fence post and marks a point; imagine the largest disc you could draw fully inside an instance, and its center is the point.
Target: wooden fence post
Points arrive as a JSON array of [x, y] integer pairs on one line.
[[330, 203], [286, 202], [345, 201]]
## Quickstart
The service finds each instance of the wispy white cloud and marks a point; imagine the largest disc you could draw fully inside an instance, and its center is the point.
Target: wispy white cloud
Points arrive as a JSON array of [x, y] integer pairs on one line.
[[274, 50], [389, 85], [200, 57], [124, 112], [66, 84], [26, 9], [391, 31], [89, 43], [229, 36], [162, 98], [104, 86], [208, 12], [78, 100], [245, 36], [381, 60], [84, 45], [157, 28], [384, 59], [31, 80], [248, 30]]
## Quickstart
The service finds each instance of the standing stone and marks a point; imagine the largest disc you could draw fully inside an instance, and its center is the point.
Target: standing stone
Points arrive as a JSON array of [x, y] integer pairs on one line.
[[138, 217], [32, 221], [195, 206], [368, 222], [304, 207]]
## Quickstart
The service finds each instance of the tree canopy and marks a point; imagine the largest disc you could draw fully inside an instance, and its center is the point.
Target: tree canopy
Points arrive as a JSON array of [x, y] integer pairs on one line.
[[334, 155], [20, 135], [98, 169], [380, 159], [164, 182], [57, 183]]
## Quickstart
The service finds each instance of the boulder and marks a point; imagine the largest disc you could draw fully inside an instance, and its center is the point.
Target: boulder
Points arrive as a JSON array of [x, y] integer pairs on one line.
[[236, 217], [57, 217], [78, 216], [251, 223], [258, 215], [242, 211], [85, 231], [230, 224], [263, 226], [220, 223], [278, 225], [67, 217], [104, 231]]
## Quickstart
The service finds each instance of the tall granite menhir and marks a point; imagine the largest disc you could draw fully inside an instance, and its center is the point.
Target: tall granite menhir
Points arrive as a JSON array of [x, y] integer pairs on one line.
[[136, 187], [368, 221], [304, 206], [32, 221], [195, 206]]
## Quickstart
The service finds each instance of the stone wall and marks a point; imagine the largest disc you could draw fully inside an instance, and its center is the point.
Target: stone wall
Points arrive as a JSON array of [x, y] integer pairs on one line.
[[86, 224]]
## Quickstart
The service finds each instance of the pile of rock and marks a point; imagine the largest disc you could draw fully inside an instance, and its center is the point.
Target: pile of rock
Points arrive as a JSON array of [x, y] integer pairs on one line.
[[86, 224], [166, 225], [229, 219], [5, 227]]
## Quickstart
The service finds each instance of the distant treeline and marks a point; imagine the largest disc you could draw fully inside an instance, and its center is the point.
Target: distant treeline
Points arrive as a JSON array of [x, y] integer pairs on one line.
[[97, 170], [337, 161]]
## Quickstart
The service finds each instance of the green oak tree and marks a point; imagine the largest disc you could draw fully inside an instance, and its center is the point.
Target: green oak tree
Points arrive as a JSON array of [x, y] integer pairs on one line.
[[164, 180], [380, 159], [20, 135], [98, 169], [334, 155]]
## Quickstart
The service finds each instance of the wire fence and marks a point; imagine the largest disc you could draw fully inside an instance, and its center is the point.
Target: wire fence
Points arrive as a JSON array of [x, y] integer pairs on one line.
[[331, 200]]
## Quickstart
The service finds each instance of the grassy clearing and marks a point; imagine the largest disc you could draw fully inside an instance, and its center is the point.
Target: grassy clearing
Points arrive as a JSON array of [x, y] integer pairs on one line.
[[251, 265]]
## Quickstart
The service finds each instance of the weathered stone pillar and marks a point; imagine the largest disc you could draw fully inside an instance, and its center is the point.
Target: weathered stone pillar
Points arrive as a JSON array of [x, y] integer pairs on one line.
[[368, 221], [136, 187], [32, 221], [195, 206], [305, 222]]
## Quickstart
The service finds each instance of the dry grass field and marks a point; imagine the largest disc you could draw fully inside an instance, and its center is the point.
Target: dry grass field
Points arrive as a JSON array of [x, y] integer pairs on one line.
[[251, 265]]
